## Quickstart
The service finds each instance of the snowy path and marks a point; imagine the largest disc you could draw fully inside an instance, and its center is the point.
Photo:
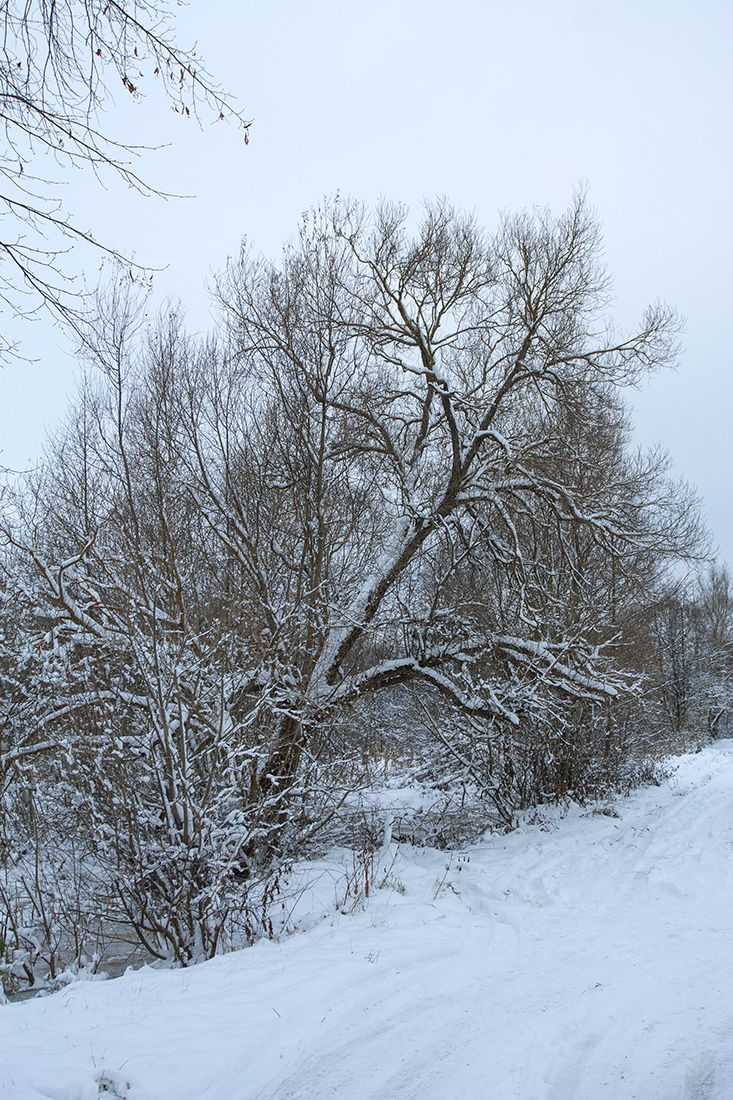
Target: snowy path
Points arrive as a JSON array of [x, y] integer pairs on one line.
[[587, 960]]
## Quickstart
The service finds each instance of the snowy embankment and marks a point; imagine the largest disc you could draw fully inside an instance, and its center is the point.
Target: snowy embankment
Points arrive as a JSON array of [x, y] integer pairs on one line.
[[586, 956]]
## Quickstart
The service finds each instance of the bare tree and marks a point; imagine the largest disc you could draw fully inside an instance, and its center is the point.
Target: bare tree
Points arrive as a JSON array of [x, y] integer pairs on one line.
[[691, 625], [134, 678], [60, 63], [365, 434]]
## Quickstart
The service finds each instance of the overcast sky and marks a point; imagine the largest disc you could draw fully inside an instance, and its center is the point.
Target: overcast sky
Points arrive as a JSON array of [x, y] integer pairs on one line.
[[495, 104]]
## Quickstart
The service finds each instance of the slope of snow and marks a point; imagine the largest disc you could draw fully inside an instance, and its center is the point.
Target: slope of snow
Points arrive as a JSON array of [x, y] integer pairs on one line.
[[583, 956]]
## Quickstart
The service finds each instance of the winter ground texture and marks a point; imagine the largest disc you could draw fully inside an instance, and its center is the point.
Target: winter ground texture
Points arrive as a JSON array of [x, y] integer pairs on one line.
[[584, 955]]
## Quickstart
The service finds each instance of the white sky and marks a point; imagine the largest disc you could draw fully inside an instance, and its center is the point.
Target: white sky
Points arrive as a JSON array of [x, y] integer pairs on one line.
[[497, 105]]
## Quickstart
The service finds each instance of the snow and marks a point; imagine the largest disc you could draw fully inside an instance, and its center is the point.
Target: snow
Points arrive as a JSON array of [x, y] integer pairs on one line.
[[584, 955]]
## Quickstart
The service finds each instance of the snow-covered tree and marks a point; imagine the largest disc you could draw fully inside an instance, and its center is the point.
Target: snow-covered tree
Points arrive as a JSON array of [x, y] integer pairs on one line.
[[394, 486], [387, 413]]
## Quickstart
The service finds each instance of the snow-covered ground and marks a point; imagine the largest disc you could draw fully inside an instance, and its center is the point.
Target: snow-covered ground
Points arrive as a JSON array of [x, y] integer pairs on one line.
[[583, 956]]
